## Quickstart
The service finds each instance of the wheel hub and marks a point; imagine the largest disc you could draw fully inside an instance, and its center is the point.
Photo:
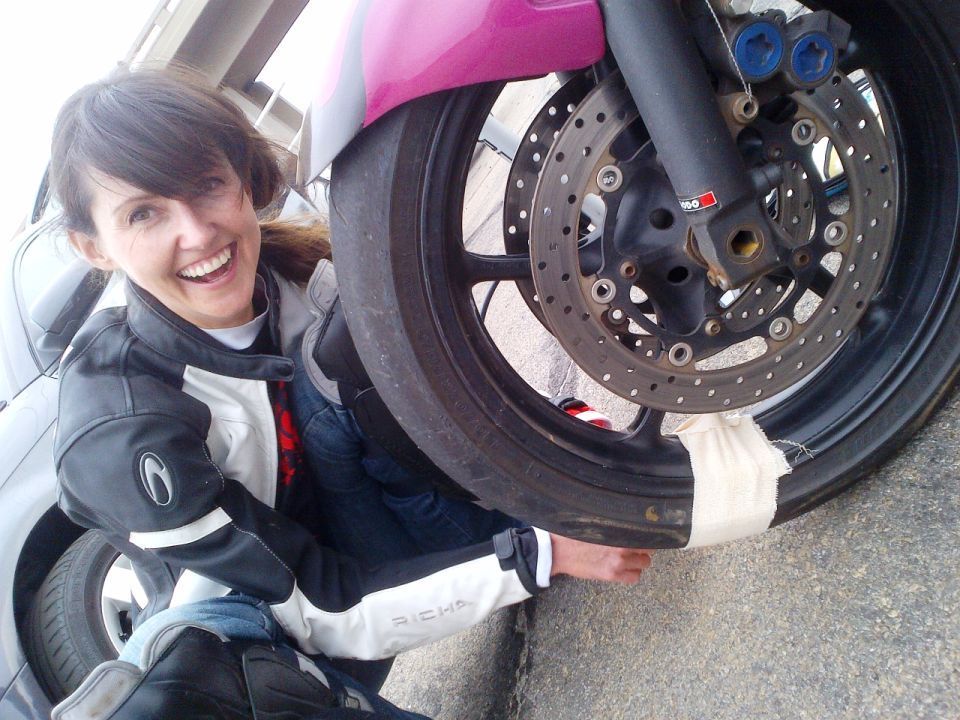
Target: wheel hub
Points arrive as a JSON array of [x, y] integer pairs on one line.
[[632, 303]]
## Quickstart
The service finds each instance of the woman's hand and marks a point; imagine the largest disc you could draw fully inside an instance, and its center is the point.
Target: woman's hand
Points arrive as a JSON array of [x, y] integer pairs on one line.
[[597, 562]]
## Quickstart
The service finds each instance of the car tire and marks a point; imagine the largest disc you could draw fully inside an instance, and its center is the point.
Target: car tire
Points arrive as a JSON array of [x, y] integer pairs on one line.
[[65, 635]]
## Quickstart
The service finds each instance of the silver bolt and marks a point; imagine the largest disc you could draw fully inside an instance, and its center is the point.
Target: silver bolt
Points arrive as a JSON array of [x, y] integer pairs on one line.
[[781, 328], [609, 178], [744, 108], [603, 291], [680, 354], [712, 327], [617, 315], [835, 233], [804, 132]]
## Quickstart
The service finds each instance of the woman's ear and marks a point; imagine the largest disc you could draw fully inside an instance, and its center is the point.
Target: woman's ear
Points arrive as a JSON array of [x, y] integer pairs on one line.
[[86, 245]]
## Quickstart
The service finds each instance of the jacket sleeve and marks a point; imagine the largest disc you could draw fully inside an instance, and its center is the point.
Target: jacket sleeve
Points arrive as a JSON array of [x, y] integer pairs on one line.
[[147, 477]]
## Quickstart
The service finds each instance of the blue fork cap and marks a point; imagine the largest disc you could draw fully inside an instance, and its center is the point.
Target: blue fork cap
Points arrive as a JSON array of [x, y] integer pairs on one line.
[[759, 50], [813, 58]]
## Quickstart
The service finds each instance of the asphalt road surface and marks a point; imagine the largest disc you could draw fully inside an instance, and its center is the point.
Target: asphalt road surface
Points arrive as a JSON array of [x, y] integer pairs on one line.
[[851, 611]]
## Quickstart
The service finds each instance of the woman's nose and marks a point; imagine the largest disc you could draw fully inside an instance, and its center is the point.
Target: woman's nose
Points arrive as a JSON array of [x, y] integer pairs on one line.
[[194, 228]]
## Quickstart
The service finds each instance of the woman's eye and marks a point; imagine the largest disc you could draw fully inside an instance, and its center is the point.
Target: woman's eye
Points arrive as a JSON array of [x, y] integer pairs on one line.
[[138, 215], [212, 184]]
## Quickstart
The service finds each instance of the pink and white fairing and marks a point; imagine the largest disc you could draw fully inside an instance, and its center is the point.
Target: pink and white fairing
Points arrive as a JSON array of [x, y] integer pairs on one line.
[[392, 51]]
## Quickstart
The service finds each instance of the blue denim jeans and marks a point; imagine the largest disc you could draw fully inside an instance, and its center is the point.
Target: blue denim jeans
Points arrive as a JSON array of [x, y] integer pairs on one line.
[[241, 617], [372, 508]]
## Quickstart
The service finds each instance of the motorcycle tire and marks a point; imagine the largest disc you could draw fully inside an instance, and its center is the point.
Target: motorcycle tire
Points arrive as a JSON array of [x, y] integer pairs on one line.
[[396, 217]]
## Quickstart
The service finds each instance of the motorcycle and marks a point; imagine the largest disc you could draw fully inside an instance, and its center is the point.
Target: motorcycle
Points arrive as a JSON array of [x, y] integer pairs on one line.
[[718, 205]]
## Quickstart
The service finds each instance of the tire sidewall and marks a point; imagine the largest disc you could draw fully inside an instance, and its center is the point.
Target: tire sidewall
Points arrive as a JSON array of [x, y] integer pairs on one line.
[[66, 637]]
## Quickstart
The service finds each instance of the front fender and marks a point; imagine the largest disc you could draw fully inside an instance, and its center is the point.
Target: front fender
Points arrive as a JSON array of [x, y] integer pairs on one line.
[[392, 51]]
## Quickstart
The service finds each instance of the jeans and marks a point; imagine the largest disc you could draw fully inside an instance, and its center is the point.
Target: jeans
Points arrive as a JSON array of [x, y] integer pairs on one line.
[[372, 508], [241, 617]]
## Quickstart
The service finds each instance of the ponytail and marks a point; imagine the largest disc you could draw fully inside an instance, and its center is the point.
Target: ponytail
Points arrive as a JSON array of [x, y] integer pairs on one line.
[[293, 249]]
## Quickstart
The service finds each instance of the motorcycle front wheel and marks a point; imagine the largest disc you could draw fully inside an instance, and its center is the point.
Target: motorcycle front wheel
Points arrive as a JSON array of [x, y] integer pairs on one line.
[[412, 289]]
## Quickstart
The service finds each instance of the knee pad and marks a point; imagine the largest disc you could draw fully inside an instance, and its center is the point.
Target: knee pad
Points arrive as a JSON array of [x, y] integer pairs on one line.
[[198, 675]]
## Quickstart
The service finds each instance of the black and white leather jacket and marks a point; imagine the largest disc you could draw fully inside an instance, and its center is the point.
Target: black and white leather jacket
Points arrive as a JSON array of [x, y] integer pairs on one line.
[[166, 441]]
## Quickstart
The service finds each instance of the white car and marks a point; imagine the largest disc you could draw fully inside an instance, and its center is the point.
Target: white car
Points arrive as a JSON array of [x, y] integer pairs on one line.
[[67, 594]]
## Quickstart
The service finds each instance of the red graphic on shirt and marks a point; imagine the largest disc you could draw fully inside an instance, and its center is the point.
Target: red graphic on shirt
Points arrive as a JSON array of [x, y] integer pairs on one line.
[[288, 439]]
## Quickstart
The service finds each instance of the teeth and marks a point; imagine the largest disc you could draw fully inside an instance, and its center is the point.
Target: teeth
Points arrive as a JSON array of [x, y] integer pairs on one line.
[[207, 266]]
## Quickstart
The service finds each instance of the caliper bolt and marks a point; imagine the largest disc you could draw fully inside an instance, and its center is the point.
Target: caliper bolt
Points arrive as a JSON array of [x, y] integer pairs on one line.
[[712, 327], [804, 132], [781, 328], [603, 291], [628, 269], [835, 233], [617, 315], [609, 178], [680, 354]]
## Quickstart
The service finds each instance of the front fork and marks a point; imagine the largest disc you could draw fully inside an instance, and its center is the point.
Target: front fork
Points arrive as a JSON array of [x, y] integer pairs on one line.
[[725, 203]]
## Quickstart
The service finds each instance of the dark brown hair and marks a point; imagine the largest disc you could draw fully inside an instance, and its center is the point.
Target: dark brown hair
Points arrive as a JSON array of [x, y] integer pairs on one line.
[[163, 130]]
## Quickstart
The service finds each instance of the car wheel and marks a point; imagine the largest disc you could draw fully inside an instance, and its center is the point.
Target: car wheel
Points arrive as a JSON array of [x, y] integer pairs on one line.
[[80, 616]]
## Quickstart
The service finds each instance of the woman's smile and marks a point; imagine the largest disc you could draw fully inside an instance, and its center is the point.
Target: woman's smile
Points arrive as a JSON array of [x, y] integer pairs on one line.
[[197, 255], [216, 267]]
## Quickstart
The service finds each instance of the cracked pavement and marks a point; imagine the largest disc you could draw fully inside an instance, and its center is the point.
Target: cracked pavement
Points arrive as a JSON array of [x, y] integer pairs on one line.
[[851, 611]]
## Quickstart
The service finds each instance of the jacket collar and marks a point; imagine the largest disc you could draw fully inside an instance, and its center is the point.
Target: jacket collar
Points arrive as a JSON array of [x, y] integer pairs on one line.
[[173, 337]]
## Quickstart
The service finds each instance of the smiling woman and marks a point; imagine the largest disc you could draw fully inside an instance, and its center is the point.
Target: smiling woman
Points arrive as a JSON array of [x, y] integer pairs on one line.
[[174, 208], [199, 433]]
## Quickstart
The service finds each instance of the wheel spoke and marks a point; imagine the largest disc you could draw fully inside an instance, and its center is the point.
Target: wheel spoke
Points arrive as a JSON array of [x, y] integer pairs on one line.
[[822, 281], [644, 432], [475, 268], [118, 584]]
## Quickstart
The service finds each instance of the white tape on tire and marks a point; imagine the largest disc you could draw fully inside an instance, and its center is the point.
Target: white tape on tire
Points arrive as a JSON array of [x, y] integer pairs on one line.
[[735, 477]]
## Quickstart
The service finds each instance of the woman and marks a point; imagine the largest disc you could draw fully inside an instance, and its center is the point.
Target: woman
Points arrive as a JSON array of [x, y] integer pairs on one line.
[[174, 434]]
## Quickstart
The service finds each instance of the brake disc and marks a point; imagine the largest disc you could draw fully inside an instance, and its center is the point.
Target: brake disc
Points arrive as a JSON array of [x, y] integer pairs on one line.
[[644, 321], [532, 152]]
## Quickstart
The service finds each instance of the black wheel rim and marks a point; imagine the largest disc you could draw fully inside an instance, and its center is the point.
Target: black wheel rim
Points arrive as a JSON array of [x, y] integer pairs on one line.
[[921, 117]]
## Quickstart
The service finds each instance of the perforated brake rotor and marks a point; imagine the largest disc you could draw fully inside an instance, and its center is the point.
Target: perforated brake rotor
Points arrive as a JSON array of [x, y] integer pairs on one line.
[[602, 317], [532, 152]]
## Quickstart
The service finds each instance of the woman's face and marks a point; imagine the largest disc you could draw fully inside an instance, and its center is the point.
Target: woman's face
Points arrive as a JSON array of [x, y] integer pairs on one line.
[[198, 257]]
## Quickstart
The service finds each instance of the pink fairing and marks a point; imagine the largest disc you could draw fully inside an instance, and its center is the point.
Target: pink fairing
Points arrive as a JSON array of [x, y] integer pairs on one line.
[[392, 51], [412, 48]]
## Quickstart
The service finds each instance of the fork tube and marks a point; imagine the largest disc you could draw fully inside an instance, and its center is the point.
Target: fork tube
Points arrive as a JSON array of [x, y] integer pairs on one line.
[[664, 72]]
